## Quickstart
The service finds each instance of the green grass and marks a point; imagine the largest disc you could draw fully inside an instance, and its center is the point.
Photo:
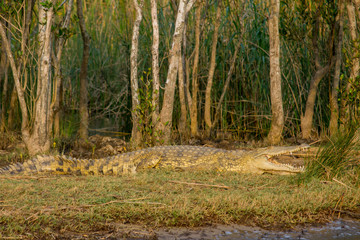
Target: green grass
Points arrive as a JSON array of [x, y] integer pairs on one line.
[[46, 205], [336, 158]]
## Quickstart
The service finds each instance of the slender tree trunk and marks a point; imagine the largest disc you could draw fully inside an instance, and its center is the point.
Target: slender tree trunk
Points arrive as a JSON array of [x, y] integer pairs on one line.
[[58, 107], [135, 134], [57, 93], [355, 65], [207, 114], [320, 72], [84, 115], [4, 97], [12, 109], [21, 61], [165, 124], [277, 123], [334, 106], [4, 66], [183, 86], [182, 76], [195, 87], [155, 63], [19, 90]]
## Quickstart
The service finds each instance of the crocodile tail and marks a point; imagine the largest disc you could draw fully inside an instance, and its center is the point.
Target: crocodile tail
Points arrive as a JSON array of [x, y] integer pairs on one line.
[[34, 165], [51, 164], [68, 165]]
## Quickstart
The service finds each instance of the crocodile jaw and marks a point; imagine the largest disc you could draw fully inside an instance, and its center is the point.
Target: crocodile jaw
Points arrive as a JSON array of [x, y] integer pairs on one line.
[[265, 166], [262, 163]]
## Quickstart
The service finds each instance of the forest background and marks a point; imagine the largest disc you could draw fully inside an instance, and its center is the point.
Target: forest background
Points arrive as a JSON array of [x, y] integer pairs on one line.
[[167, 70]]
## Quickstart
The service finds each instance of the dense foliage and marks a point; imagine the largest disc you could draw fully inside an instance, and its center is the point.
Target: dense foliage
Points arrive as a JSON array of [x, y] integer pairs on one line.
[[246, 111]]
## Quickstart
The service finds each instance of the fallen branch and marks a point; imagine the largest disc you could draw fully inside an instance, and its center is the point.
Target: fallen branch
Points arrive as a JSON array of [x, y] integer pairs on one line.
[[201, 184]]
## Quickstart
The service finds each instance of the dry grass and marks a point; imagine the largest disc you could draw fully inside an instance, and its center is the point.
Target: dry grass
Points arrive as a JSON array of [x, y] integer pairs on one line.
[[42, 206]]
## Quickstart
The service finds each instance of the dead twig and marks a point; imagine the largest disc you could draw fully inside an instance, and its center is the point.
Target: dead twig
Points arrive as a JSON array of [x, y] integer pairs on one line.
[[342, 183], [201, 184]]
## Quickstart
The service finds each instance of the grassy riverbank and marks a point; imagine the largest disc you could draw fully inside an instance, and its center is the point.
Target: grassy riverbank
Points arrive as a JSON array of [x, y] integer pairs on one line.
[[45, 206]]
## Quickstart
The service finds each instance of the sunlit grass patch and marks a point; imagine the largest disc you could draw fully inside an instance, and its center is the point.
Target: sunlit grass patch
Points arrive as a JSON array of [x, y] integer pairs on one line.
[[55, 204]]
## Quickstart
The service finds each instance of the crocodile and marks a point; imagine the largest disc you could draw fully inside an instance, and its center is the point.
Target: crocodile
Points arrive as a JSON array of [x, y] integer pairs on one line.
[[176, 157]]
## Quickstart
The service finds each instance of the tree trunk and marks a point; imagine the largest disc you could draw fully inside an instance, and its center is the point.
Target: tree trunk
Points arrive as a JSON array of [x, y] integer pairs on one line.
[[207, 114], [277, 123], [4, 98], [57, 92], [84, 115], [135, 134], [39, 140], [12, 109], [355, 65], [334, 106], [155, 63], [4, 66], [24, 124], [320, 72], [195, 87], [21, 61], [165, 123], [182, 76]]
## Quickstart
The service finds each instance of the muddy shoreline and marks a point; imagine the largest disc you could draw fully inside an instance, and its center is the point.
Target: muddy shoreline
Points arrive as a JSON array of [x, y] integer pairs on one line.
[[345, 228], [338, 229]]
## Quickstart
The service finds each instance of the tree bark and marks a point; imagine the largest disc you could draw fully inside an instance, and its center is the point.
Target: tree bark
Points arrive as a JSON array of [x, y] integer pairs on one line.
[[39, 140], [165, 123], [135, 134], [320, 72], [207, 114], [182, 76], [57, 92], [277, 123], [195, 87], [84, 115], [13, 106], [355, 65], [155, 63], [334, 105], [4, 66]]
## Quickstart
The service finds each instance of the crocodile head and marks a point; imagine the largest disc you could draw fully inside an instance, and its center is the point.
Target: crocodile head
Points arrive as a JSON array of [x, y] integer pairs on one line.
[[259, 161]]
